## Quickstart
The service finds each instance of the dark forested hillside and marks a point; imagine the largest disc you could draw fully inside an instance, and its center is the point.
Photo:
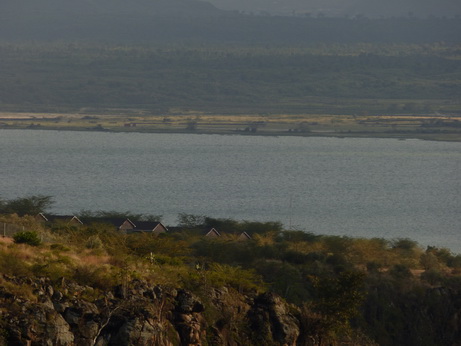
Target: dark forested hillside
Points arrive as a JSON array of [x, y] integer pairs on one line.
[[160, 54], [418, 79]]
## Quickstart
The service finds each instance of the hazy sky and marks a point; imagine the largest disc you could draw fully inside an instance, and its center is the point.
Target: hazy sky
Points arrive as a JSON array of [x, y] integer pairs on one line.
[[372, 8]]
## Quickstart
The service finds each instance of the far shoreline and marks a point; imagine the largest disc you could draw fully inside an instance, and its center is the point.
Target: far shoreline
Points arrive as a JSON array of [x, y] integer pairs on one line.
[[401, 127]]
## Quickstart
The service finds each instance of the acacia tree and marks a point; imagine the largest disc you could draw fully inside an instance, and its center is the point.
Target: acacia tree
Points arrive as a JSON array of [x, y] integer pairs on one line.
[[190, 220], [31, 205], [102, 214]]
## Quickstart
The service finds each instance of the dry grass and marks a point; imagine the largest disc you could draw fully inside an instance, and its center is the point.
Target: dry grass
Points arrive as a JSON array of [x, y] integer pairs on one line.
[[24, 252], [5, 241], [89, 258]]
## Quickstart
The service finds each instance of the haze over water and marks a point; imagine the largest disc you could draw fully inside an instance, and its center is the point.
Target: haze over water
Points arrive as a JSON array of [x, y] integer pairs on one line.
[[353, 187]]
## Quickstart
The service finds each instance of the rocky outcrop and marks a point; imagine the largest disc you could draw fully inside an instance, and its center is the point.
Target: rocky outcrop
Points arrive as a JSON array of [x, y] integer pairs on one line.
[[140, 314], [270, 319], [188, 319]]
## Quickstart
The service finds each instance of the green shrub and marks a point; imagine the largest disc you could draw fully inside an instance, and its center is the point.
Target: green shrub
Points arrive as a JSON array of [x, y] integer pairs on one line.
[[241, 279], [59, 248], [400, 271], [455, 262], [100, 277], [94, 242], [404, 244], [159, 259], [52, 270], [29, 238], [433, 276]]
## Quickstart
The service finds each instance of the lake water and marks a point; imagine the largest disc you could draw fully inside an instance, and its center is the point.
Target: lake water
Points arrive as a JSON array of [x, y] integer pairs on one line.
[[356, 187]]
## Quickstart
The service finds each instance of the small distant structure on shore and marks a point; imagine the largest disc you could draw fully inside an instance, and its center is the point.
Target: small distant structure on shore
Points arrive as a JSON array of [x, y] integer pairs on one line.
[[244, 236], [63, 219], [213, 233], [129, 227], [121, 224], [149, 227]]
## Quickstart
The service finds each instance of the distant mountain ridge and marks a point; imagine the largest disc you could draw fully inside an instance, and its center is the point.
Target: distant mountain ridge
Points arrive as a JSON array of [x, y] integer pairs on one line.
[[107, 7], [199, 21], [340, 8], [96, 19]]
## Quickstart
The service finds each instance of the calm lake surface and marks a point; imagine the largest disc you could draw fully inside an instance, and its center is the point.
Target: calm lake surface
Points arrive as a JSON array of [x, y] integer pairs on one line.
[[355, 187]]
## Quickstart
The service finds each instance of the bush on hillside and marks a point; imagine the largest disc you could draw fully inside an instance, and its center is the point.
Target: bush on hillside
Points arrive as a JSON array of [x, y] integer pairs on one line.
[[29, 238]]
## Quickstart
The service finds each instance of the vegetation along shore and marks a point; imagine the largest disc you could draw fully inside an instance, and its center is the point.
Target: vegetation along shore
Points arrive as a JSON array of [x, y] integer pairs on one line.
[[106, 278]]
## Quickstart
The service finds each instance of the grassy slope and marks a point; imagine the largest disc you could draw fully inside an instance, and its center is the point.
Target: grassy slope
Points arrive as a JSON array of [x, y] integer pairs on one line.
[[333, 277]]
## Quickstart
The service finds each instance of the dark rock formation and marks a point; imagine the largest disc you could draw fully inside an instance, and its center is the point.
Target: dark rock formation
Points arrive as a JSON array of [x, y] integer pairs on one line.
[[270, 319], [140, 314]]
